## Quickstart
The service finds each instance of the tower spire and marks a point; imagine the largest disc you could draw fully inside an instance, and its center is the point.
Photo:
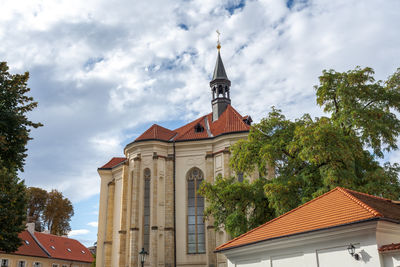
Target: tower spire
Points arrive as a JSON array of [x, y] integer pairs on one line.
[[220, 86]]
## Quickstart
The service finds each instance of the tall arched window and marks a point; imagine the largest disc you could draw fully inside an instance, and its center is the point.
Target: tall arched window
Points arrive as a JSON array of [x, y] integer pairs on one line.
[[195, 223], [146, 217]]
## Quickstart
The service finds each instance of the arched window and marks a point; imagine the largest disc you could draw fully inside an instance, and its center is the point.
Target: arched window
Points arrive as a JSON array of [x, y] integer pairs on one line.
[[195, 223], [146, 217]]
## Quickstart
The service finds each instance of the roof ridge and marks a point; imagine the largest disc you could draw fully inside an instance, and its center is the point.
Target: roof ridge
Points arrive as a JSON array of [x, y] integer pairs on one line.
[[283, 215], [359, 202], [39, 243], [365, 194]]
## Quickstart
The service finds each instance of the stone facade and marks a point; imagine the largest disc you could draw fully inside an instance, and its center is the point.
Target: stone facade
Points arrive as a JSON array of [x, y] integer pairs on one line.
[[122, 197]]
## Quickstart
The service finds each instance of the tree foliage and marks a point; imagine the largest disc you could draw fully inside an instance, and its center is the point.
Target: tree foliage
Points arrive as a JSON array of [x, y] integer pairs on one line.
[[57, 213], [37, 199], [12, 210], [238, 206], [312, 156], [14, 124], [14, 135], [49, 210]]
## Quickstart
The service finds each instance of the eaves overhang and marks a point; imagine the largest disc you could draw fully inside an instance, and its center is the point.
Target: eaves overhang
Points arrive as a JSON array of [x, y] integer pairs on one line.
[[307, 232], [113, 167], [186, 140]]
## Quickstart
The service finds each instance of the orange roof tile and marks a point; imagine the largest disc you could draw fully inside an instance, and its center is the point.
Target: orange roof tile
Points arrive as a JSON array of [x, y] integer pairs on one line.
[[156, 132], [29, 246], [230, 121], [389, 247], [112, 163], [337, 207], [64, 248]]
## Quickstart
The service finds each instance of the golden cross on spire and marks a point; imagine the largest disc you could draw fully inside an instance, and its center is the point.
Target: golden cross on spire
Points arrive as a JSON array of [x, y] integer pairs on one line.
[[218, 43]]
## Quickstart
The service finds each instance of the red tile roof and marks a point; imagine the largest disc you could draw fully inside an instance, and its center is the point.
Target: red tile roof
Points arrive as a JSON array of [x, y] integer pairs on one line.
[[29, 246], [113, 163], [389, 247], [64, 248], [337, 207], [157, 132], [230, 121], [41, 245]]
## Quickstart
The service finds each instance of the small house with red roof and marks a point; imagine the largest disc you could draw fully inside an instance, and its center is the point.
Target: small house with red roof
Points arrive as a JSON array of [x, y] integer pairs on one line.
[[148, 197], [340, 228], [46, 250]]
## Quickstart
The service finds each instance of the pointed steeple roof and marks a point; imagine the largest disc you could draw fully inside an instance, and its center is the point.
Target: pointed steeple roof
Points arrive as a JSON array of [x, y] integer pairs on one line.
[[219, 70]]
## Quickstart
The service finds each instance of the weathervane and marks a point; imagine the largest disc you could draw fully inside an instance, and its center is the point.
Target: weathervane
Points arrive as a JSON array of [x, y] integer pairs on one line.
[[218, 43]]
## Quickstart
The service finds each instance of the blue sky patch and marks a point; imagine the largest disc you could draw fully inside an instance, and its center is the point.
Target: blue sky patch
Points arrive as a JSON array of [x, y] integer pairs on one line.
[[183, 26], [91, 62], [235, 5]]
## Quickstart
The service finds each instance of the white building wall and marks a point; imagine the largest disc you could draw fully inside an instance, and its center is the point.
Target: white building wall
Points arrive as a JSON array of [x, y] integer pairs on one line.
[[317, 249]]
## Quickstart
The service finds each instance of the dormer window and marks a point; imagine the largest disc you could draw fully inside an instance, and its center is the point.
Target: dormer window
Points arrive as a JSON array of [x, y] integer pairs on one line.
[[247, 119], [198, 128]]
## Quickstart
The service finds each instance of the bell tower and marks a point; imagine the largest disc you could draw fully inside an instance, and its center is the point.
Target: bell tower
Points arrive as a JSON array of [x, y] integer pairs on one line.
[[220, 87]]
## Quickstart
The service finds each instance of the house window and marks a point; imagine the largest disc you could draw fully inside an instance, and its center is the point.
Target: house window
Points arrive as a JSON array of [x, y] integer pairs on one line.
[[55, 265], [195, 222], [21, 264], [4, 263], [37, 264], [146, 224], [64, 265], [240, 177]]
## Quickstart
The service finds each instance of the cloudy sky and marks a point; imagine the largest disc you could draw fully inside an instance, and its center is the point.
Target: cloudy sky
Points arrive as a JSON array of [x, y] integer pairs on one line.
[[103, 71]]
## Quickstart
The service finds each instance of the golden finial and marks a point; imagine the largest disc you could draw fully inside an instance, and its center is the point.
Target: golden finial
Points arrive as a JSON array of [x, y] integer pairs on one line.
[[218, 43]]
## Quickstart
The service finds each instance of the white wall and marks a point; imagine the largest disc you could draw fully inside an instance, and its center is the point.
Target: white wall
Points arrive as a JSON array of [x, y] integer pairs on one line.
[[326, 248]]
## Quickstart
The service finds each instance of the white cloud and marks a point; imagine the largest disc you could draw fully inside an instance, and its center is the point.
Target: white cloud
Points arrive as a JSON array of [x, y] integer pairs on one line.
[[78, 232], [93, 224], [103, 72]]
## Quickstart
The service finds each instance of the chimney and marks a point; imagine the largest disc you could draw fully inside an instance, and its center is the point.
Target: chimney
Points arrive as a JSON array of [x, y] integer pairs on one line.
[[30, 227]]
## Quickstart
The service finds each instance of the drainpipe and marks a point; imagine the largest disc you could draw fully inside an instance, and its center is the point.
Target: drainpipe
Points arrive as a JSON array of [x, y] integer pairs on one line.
[[173, 180]]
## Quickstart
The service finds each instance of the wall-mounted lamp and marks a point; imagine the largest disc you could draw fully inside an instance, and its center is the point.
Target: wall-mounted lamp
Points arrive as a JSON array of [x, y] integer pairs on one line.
[[352, 251], [143, 255]]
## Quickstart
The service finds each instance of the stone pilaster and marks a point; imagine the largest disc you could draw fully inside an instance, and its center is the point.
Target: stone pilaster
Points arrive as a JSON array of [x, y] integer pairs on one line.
[[122, 232], [153, 213], [221, 259], [211, 242], [109, 225], [134, 227], [169, 213], [227, 169]]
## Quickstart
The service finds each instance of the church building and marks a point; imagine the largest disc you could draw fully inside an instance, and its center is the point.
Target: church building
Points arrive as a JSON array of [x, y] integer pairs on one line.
[[149, 198]]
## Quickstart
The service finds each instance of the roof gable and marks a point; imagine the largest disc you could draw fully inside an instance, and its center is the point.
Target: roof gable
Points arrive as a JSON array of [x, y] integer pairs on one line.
[[64, 248], [336, 207]]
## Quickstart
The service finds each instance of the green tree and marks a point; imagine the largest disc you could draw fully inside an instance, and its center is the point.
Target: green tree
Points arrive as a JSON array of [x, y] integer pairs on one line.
[[58, 213], [37, 198], [14, 124], [238, 207], [14, 135], [309, 157], [12, 210]]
